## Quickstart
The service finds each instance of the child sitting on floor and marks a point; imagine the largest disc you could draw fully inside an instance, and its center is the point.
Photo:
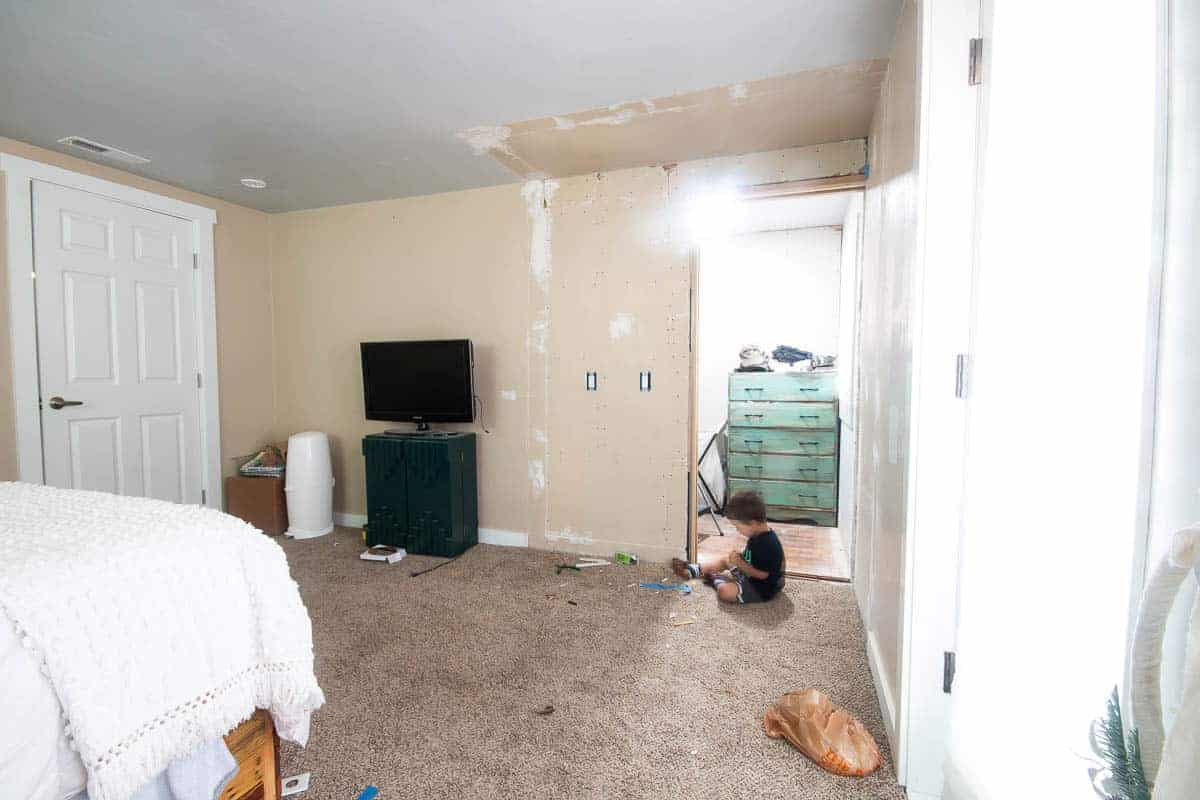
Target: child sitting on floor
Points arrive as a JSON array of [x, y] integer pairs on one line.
[[754, 575]]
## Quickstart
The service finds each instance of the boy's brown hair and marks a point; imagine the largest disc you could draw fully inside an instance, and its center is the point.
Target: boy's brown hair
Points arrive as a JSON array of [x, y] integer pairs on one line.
[[746, 506]]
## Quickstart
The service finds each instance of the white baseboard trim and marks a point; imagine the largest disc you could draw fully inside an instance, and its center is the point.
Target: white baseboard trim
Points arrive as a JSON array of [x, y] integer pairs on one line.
[[503, 538], [486, 535], [349, 520], [887, 706]]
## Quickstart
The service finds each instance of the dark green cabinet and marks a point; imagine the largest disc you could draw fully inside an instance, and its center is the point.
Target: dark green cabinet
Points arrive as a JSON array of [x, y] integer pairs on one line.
[[421, 492]]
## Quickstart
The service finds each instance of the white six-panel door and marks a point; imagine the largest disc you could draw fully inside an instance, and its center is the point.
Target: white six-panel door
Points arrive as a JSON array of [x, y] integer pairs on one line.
[[116, 322]]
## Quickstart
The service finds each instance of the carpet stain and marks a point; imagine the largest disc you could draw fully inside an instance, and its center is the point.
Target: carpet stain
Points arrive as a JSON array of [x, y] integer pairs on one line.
[[437, 686]]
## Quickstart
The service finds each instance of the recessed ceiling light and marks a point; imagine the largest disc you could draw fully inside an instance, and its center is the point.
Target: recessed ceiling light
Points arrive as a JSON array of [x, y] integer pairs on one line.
[[254, 183]]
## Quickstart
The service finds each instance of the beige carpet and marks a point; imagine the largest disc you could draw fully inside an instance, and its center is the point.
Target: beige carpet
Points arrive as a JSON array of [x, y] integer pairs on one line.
[[432, 682]]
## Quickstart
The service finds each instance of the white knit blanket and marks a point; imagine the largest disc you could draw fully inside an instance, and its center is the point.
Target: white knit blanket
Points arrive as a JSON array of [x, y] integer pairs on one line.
[[159, 626]]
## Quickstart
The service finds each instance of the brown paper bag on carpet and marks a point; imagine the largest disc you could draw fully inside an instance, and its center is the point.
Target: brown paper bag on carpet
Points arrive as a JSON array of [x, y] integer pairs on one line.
[[826, 733]]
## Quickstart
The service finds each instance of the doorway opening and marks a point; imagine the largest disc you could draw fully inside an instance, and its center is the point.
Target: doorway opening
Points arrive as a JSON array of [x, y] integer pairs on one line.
[[774, 320]]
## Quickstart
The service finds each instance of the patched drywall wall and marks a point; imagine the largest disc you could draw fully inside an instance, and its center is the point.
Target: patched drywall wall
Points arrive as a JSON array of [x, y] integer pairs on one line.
[[768, 288], [244, 333], [551, 280], [886, 357], [786, 111]]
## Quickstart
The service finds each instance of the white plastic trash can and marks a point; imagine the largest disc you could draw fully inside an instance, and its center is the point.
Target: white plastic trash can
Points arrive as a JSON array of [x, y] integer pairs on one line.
[[309, 485]]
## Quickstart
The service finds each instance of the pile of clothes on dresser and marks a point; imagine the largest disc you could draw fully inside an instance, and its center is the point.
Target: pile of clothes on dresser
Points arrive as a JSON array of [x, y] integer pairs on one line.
[[755, 359]]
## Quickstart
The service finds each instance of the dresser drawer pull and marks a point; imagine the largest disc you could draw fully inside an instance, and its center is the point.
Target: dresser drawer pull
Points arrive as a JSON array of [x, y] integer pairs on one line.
[[806, 416], [753, 441], [809, 389], [757, 415], [805, 469], [754, 466], [753, 389], [813, 496], [813, 444]]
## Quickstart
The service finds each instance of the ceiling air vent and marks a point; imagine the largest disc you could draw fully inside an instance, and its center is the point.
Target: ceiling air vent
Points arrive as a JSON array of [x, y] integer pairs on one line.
[[103, 150]]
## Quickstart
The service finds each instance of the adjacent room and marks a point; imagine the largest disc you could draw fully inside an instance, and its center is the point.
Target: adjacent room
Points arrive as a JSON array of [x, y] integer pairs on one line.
[[777, 296], [597, 400]]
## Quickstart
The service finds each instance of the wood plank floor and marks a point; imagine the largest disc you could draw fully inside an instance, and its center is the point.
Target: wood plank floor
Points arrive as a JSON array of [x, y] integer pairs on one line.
[[810, 551]]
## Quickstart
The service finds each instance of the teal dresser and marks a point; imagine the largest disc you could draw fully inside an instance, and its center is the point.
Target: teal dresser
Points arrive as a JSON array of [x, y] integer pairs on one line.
[[783, 442], [421, 492]]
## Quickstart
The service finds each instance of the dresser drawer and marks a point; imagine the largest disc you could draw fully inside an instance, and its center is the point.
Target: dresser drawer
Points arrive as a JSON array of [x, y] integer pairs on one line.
[[782, 467], [784, 386], [806, 443], [789, 493], [826, 519], [820, 416]]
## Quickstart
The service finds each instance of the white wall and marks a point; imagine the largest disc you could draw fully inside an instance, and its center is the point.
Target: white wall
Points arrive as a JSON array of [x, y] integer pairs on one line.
[[848, 291], [769, 288], [890, 218]]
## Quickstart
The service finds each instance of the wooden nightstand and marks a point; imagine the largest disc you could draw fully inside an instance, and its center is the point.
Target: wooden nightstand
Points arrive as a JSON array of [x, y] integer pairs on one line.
[[259, 501]]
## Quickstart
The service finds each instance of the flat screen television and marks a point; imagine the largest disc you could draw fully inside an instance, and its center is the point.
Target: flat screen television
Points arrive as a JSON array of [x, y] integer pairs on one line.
[[421, 382]]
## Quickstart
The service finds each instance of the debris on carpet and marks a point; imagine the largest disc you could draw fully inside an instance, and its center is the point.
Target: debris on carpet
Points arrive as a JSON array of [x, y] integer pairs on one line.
[[668, 587]]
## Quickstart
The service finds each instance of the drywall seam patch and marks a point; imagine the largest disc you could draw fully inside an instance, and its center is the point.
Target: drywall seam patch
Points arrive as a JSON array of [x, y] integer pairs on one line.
[[508, 394], [569, 536], [538, 195], [487, 138], [620, 325], [537, 475]]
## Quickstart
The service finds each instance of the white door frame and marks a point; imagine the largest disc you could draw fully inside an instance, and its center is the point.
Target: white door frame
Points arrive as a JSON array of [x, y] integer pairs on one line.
[[942, 324], [18, 211]]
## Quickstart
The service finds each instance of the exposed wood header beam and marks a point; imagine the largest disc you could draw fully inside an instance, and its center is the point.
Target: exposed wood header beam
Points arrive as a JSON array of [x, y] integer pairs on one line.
[[837, 183]]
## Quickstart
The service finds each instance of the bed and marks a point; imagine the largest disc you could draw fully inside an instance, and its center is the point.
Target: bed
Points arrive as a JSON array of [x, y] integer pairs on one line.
[[132, 632]]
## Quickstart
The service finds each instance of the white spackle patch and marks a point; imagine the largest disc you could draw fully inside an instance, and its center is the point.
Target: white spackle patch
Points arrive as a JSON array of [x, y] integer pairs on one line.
[[539, 333], [537, 196], [508, 394], [619, 118], [487, 138], [620, 326], [537, 475], [568, 535], [563, 123], [738, 91], [539, 435]]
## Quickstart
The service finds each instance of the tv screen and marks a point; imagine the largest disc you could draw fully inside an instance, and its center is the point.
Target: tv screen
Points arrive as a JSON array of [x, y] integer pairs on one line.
[[418, 381]]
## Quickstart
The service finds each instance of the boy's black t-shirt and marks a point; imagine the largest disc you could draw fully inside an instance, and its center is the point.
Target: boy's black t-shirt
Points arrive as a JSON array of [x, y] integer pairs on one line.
[[764, 551]]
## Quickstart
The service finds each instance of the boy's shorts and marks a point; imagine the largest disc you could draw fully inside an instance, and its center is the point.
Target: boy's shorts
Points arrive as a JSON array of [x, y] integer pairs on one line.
[[747, 592]]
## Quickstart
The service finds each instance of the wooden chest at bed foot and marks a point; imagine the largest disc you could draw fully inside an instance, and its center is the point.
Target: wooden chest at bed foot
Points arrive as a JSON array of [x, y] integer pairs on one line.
[[421, 492], [258, 500]]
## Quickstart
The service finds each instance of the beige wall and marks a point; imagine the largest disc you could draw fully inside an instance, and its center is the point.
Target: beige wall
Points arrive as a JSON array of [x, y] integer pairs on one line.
[[886, 356], [243, 283], [550, 280]]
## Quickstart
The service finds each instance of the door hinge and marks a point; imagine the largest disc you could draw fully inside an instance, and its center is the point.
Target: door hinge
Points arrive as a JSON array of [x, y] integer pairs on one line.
[[199, 381], [203, 497], [195, 261], [975, 63], [947, 671], [960, 375]]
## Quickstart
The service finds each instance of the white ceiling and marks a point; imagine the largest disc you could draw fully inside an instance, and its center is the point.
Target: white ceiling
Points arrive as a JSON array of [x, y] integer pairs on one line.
[[338, 103]]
